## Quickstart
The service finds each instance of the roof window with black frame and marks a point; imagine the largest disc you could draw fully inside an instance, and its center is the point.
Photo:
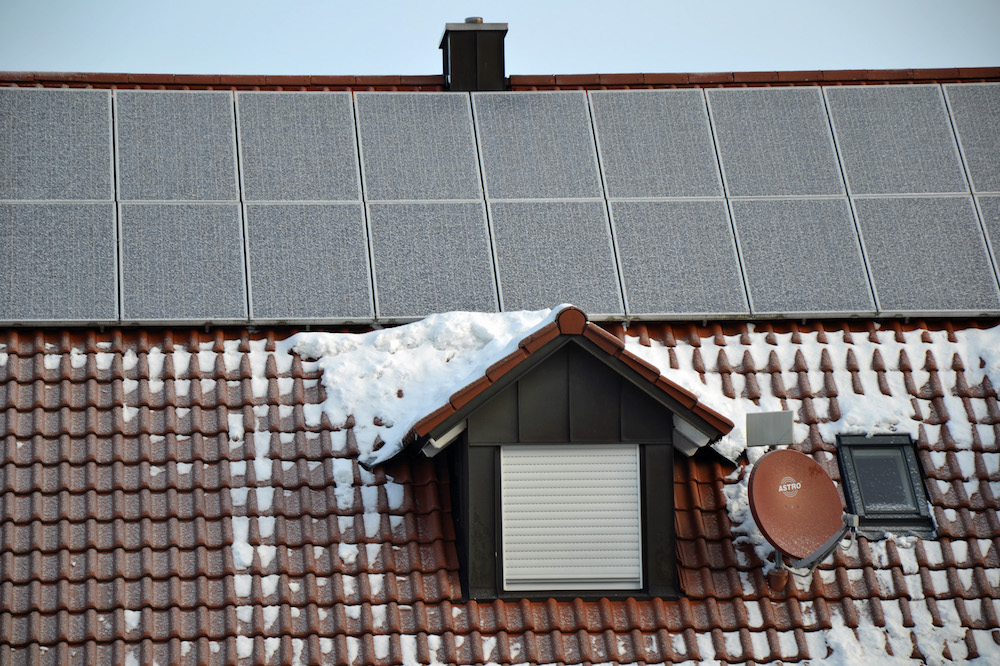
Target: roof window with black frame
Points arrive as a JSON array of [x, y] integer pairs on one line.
[[883, 484]]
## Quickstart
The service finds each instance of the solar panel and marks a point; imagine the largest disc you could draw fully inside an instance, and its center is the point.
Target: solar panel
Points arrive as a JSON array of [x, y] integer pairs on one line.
[[536, 145], [296, 147], [308, 262], [182, 262], [678, 257], [175, 146], [655, 143], [989, 210], [927, 255], [975, 111], [801, 256], [418, 146], [774, 141], [56, 144], [552, 252], [58, 262], [895, 139], [431, 257]]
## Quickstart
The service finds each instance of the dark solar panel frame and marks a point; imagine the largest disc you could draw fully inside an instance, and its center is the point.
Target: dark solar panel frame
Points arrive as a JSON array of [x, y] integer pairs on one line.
[[68, 152]]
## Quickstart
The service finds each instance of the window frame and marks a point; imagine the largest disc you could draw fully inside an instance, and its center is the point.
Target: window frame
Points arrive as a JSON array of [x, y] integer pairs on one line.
[[875, 522]]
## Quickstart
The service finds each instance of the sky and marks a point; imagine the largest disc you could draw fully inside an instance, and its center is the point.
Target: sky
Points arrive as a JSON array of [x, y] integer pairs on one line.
[[555, 37]]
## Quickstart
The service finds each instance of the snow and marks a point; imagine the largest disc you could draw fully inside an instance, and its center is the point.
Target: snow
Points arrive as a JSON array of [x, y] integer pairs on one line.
[[132, 619], [395, 377]]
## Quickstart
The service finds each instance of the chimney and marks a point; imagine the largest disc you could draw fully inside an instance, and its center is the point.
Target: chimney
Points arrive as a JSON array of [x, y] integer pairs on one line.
[[473, 55]]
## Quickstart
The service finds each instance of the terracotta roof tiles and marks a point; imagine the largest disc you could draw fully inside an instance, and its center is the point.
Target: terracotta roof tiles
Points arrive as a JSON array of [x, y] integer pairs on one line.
[[139, 521]]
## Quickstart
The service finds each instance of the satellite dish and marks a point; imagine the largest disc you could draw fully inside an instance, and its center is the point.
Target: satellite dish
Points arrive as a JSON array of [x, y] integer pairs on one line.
[[797, 508]]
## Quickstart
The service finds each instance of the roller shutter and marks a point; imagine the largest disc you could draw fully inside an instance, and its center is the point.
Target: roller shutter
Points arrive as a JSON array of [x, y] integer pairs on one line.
[[571, 518]]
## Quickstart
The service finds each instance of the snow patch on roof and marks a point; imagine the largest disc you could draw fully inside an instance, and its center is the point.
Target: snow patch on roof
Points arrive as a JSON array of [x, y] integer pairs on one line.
[[390, 379]]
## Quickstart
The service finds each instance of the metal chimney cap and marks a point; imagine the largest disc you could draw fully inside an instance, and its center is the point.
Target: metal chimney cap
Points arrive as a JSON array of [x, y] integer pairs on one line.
[[474, 19], [476, 27]]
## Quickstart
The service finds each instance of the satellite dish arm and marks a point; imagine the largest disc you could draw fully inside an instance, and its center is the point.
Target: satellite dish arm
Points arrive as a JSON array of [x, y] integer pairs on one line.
[[807, 564]]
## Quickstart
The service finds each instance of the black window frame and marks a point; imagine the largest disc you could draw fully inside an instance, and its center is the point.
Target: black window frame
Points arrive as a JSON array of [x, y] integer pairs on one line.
[[876, 522]]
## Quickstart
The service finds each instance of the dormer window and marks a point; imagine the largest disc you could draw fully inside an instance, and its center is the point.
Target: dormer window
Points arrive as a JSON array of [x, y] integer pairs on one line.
[[561, 466]]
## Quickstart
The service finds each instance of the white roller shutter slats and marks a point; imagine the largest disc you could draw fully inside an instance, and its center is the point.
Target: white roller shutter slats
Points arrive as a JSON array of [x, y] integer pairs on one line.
[[571, 517]]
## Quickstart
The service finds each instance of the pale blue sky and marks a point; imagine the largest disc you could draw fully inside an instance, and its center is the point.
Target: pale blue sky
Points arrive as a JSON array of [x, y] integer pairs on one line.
[[396, 37]]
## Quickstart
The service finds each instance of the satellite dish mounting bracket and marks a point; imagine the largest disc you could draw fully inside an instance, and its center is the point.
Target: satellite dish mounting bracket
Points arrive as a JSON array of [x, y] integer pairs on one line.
[[806, 565]]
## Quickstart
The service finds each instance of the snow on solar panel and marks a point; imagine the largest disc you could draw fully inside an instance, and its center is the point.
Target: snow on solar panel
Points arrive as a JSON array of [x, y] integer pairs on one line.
[[975, 111], [431, 257], [655, 143], [537, 145], [678, 257], [552, 252], [927, 255], [801, 256]]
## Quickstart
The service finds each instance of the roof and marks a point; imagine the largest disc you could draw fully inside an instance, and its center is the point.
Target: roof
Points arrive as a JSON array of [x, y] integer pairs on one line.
[[221, 494], [165, 496]]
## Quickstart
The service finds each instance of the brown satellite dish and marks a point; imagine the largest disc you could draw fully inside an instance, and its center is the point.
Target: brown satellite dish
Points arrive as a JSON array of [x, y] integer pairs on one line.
[[796, 506]]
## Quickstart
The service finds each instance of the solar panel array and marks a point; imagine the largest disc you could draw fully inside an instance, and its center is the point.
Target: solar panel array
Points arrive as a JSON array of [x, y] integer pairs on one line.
[[160, 207]]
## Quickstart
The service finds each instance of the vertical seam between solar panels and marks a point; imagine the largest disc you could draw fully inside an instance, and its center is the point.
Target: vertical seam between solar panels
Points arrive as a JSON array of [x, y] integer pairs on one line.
[[116, 193], [607, 210], [363, 192], [968, 181], [114, 204], [486, 206], [850, 202], [729, 207], [244, 230]]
